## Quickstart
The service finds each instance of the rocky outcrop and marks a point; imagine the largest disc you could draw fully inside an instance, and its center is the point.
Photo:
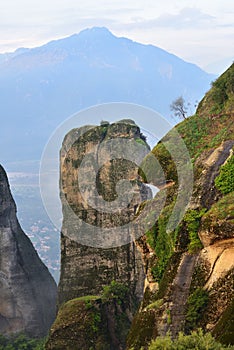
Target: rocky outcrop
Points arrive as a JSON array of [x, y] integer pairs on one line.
[[197, 291], [90, 323], [101, 190], [188, 271], [27, 290], [207, 168], [91, 258]]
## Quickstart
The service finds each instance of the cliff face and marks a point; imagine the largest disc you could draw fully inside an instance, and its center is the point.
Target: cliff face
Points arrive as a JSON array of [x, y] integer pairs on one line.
[[195, 273], [27, 290], [97, 241], [86, 268], [189, 269]]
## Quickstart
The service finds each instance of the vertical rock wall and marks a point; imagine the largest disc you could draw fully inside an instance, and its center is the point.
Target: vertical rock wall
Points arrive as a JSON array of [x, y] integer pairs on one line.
[[28, 292]]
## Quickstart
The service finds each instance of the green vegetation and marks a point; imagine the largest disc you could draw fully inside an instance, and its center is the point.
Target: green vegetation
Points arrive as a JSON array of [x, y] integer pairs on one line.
[[193, 219], [169, 320], [140, 141], [155, 305], [169, 275], [224, 329], [165, 159], [162, 242], [220, 212], [221, 97], [223, 87], [105, 123], [22, 342], [193, 130], [196, 340], [196, 304], [116, 291], [142, 330], [201, 133], [225, 181], [199, 277]]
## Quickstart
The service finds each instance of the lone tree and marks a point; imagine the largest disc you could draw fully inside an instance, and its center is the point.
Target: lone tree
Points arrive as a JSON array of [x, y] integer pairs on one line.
[[179, 108]]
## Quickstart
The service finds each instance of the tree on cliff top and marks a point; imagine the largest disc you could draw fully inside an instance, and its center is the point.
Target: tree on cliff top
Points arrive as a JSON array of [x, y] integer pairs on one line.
[[179, 108]]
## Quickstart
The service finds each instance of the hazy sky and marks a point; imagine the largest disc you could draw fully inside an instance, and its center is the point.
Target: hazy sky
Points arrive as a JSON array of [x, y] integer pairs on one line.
[[200, 31]]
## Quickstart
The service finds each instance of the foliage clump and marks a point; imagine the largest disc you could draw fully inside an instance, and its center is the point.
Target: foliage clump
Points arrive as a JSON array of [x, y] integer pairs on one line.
[[193, 219], [196, 304], [220, 98], [21, 342], [162, 242], [196, 340], [225, 181], [116, 291]]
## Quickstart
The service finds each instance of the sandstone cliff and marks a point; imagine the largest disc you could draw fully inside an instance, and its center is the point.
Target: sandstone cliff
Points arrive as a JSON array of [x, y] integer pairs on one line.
[[86, 268], [195, 271], [97, 244], [27, 290], [185, 275]]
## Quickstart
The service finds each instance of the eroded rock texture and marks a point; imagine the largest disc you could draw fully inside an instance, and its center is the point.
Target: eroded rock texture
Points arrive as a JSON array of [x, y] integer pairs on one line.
[[102, 158], [27, 290]]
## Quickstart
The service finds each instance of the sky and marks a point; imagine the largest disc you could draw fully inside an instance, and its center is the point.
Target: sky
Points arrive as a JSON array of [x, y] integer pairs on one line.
[[199, 31]]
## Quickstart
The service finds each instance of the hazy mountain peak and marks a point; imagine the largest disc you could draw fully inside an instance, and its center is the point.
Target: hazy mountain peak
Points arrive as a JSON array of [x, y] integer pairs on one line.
[[96, 31], [51, 82]]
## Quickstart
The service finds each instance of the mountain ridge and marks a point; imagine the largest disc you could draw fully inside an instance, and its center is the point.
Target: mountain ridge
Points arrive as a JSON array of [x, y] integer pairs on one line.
[[51, 82]]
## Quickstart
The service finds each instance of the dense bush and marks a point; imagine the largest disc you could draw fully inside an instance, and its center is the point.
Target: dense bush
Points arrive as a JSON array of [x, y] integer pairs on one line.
[[196, 340], [162, 242], [116, 291], [22, 342], [196, 304], [225, 181], [192, 219]]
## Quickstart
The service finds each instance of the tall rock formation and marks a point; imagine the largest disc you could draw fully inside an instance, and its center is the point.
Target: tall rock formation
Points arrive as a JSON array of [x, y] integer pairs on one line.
[[91, 260], [28, 292], [98, 250], [189, 270]]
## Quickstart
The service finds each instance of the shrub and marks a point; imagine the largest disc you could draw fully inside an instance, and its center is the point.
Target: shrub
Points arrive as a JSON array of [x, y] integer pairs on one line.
[[196, 340], [225, 181], [196, 304], [22, 342], [116, 291], [192, 219], [162, 242]]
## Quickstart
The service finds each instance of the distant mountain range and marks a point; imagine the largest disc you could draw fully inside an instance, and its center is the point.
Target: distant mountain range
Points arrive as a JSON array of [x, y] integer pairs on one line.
[[41, 87]]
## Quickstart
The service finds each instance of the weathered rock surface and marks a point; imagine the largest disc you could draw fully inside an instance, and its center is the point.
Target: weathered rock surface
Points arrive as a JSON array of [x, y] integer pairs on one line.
[[208, 167], [90, 324], [86, 266], [209, 137], [27, 290], [97, 243]]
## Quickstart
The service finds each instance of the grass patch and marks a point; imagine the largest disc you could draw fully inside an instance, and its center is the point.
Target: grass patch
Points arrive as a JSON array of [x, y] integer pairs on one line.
[[193, 219], [225, 181], [162, 242], [196, 340], [222, 210], [196, 305], [21, 342], [155, 305]]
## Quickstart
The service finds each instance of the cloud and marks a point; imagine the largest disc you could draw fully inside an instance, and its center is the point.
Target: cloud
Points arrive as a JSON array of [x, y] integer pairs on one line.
[[186, 18]]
